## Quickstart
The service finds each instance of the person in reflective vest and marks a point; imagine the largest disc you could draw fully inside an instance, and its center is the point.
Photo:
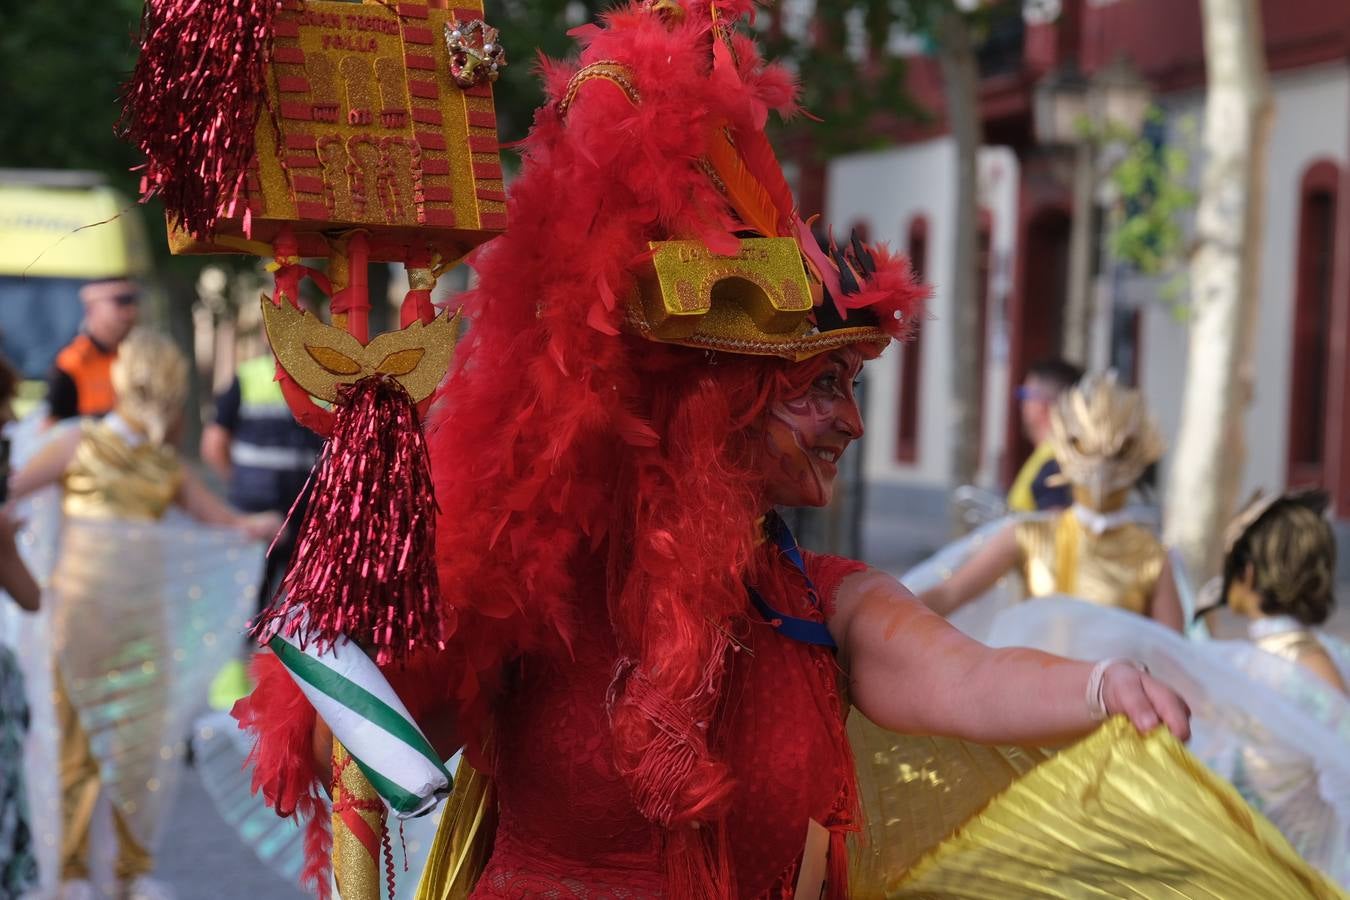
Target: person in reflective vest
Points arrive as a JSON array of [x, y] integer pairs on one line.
[[261, 452]]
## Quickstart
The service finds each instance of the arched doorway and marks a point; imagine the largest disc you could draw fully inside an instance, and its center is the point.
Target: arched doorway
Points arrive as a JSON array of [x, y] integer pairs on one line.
[[1310, 453]]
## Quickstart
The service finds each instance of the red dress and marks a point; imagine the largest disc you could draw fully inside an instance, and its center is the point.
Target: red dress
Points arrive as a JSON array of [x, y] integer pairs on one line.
[[567, 827]]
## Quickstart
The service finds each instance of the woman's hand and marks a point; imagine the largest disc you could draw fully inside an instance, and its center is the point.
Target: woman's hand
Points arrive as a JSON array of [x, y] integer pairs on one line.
[[261, 526], [321, 746], [14, 575], [1146, 701]]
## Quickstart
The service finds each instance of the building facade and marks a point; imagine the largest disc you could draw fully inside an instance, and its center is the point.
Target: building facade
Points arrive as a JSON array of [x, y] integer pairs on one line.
[[1298, 426]]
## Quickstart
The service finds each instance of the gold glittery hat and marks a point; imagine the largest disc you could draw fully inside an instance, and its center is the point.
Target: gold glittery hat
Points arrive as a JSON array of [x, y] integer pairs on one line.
[[760, 302], [1262, 503], [1256, 510]]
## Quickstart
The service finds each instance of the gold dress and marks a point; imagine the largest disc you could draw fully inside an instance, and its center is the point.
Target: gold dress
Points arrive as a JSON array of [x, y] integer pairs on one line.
[[1297, 644], [116, 474], [143, 612], [1118, 567], [1287, 786]]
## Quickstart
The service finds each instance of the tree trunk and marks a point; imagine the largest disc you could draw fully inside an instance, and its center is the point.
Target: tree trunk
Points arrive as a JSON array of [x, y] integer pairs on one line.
[[1207, 469], [962, 82], [180, 298]]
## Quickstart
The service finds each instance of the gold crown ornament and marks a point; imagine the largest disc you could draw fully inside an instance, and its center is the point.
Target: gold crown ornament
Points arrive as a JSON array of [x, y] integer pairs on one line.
[[377, 118], [782, 293], [1103, 436], [759, 301]]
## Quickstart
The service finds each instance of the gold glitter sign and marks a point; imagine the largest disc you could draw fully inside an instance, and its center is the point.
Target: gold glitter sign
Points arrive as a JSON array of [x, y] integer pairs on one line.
[[366, 126], [756, 301]]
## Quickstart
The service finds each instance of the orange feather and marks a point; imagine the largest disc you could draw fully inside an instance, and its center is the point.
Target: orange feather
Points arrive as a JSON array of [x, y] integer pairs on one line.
[[747, 196]]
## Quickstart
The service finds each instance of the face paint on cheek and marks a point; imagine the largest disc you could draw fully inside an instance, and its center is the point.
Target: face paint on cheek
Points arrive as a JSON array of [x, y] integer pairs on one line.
[[810, 415], [791, 474]]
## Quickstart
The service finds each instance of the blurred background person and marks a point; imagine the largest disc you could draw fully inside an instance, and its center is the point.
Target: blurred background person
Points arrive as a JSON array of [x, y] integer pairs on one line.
[[18, 857], [264, 456], [80, 383], [1280, 574], [260, 451], [138, 607], [1095, 550], [1035, 487], [18, 861]]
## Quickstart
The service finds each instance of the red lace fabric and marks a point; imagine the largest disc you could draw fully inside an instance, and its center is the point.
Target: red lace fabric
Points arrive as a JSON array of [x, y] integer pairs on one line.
[[567, 827]]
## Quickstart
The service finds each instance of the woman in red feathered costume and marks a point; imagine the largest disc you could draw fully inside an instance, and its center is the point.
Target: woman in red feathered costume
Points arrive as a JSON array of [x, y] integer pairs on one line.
[[642, 662]]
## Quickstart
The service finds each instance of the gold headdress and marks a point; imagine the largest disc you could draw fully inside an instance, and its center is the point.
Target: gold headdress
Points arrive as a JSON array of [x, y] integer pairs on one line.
[[149, 378], [1103, 436]]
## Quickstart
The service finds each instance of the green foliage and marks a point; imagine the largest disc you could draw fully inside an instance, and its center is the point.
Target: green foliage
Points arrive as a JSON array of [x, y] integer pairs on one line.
[[1152, 184], [854, 99], [528, 29], [64, 75], [62, 70]]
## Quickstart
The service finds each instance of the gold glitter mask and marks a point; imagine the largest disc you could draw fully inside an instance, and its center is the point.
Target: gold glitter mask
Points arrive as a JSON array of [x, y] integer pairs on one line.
[[149, 379], [320, 357], [1103, 436]]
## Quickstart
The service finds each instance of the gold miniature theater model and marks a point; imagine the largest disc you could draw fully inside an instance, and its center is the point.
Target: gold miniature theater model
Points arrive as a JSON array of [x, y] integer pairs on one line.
[[378, 117], [376, 141], [355, 133]]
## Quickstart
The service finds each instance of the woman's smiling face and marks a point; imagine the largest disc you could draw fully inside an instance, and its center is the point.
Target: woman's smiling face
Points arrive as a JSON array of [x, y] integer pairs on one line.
[[804, 436]]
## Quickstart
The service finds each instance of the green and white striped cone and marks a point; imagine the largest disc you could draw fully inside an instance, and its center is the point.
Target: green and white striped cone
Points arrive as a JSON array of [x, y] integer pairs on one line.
[[354, 698]]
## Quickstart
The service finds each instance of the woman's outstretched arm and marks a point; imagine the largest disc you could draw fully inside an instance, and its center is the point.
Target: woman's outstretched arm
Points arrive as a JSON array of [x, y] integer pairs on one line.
[[15, 578], [910, 671], [47, 465], [200, 502]]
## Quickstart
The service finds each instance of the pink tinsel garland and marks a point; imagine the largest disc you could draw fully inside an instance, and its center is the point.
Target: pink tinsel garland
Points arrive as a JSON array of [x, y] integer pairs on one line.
[[363, 565], [193, 101]]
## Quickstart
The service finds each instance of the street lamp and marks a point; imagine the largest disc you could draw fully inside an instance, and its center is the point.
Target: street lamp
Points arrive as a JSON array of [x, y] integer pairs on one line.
[[1069, 110], [1060, 107], [1119, 98]]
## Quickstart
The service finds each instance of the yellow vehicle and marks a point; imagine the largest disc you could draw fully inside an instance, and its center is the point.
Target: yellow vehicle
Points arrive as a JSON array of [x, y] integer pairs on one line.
[[57, 231]]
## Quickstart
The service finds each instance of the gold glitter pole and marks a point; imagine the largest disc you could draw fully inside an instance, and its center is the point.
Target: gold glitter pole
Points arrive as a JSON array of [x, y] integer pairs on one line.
[[358, 830]]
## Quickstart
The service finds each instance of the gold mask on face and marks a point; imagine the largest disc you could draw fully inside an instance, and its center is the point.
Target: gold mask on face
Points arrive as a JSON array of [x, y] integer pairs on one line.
[[149, 378], [1103, 437]]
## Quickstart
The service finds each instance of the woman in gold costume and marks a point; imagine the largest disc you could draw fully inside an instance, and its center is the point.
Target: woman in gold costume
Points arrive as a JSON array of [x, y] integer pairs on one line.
[[136, 608], [1280, 573], [1096, 550]]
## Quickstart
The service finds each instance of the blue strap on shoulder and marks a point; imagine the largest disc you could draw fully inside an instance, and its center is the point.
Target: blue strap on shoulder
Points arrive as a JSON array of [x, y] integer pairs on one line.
[[806, 631]]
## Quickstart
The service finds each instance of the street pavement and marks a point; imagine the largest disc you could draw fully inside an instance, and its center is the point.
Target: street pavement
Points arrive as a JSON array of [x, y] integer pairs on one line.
[[203, 859]]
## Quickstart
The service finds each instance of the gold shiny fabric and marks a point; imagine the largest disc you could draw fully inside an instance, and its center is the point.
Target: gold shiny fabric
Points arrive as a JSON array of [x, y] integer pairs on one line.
[[464, 839], [81, 784], [1116, 815], [355, 868], [1297, 646], [111, 479], [1118, 568], [143, 614], [916, 791]]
